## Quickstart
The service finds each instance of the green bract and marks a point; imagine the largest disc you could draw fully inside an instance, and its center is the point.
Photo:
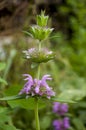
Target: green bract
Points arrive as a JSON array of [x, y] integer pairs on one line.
[[40, 33], [42, 19]]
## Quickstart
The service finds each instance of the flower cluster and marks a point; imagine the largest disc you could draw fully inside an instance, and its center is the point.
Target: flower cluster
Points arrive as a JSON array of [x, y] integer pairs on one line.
[[35, 87], [41, 31], [39, 56], [61, 124], [42, 19], [61, 110]]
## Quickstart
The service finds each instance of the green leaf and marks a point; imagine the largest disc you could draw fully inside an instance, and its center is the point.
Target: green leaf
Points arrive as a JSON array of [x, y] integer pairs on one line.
[[2, 66], [78, 124], [3, 81], [4, 118], [72, 94], [56, 99], [12, 97], [3, 109], [27, 33], [26, 103], [7, 127]]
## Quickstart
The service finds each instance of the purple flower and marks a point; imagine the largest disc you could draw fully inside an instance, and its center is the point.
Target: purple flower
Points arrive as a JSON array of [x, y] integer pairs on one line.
[[37, 87], [66, 122], [57, 124], [60, 108], [30, 52], [28, 86], [61, 124], [38, 56]]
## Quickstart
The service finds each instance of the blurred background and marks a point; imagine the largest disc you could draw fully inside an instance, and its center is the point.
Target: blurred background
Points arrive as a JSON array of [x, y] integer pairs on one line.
[[68, 18]]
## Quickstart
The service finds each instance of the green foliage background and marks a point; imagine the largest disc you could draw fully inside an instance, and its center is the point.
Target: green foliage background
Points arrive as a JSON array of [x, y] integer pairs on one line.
[[68, 70]]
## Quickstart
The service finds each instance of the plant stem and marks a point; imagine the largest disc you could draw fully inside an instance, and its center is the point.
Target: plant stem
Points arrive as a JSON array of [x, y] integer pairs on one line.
[[38, 75], [36, 115], [36, 99], [39, 46]]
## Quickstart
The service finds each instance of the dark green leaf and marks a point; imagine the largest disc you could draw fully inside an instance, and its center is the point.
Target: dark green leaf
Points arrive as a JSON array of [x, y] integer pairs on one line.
[[7, 127]]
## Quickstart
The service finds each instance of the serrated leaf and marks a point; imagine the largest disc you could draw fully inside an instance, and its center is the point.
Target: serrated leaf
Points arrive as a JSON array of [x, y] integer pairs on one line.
[[3, 81], [2, 66]]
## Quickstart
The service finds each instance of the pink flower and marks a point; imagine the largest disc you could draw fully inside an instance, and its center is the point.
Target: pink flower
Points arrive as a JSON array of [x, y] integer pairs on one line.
[[37, 87]]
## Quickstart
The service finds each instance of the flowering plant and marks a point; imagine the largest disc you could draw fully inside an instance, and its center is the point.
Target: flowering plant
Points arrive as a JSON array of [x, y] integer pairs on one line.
[[36, 88]]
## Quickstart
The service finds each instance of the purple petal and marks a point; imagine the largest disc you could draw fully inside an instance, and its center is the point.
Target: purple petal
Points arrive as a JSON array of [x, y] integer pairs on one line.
[[57, 124], [50, 93], [66, 123], [64, 108], [27, 87], [37, 89], [56, 107], [37, 85], [46, 77], [29, 77], [44, 83]]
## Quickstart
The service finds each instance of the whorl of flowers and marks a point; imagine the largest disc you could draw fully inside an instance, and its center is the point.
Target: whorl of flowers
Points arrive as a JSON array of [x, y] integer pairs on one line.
[[39, 56], [34, 87]]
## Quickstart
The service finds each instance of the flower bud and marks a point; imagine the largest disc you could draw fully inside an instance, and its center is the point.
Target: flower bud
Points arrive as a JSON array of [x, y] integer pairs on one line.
[[40, 33], [42, 19]]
